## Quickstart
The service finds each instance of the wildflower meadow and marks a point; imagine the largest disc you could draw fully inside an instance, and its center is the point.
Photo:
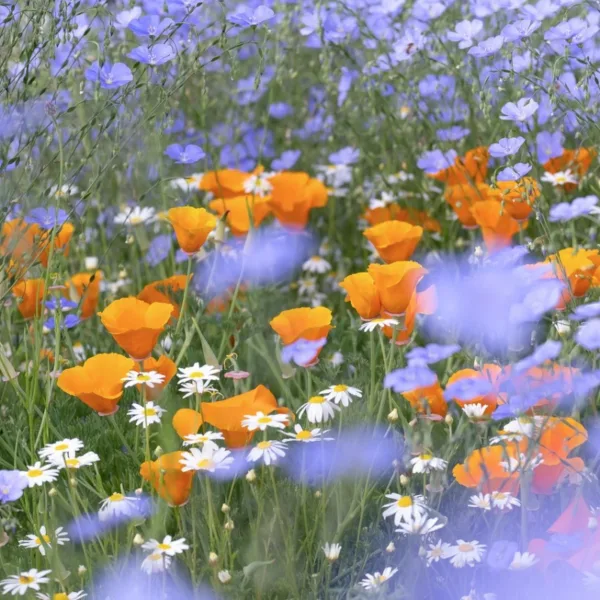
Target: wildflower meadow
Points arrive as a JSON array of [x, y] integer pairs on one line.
[[300, 299]]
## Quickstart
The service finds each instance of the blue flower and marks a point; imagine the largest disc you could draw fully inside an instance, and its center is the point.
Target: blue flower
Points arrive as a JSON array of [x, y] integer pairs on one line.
[[519, 111], [109, 76], [302, 352], [68, 322], [452, 134], [12, 484], [566, 211], [513, 32], [345, 83], [158, 54], [436, 160], [280, 110], [588, 335], [345, 156], [244, 16], [549, 350], [586, 311], [410, 378], [514, 173], [538, 300], [47, 218], [549, 145], [464, 32], [431, 353], [286, 161], [187, 155], [158, 250], [506, 147], [61, 304], [487, 47], [150, 26], [467, 388]]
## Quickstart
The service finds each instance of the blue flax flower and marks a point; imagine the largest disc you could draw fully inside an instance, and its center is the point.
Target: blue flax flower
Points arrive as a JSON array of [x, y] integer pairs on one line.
[[286, 161], [109, 76], [566, 211], [586, 311], [588, 335], [514, 173], [506, 147], [549, 350], [436, 160], [431, 353], [410, 378], [12, 484], [158, 54], [244, 16], [47, 218], [150, 26], [519, 111], [345, 156], [185, 155], [464, 32], [487, 47], [302, 352]]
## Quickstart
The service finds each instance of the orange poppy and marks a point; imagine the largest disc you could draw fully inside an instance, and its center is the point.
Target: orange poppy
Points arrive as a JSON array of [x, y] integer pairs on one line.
[[239, 209], [165, 475], [468, 169], [420, 303], [192, 226], [428, 400], [396, 284], [84, 288], [227, 415], [518, 197], [394, 212], [577, 161], [302, 323], [136, 325], [394, 240], [497, 226], [97, 382], [165, 291], [61, 242], [490, 372], [165, 366], [362, 295], [226, 183], [30, 293], [19, 241], [464, 196], [293, 195], [576, 268]]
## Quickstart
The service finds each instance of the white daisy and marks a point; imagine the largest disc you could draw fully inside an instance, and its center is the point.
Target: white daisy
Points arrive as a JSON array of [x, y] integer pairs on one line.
[[145, 415], [522, 561], [72, 461], [191, 388], [504, 500], [335, 175], [187, 184], [117, 505], [425, 463], [420, 525], [269, 451], [24, 581], [373, 324], [332, 551], [475, 411], [63, 596], [262, 421], [56, 450], [156, 563], [404, 508], [307, 286], [65, 190], [43, 539], [341, 394], [207, 459], [168, 546], [136, 216], [466, 553], [375, 581], [306, 435], [436, 552], [482, 501], [318, 409], [259, 184], [39, 474], [198, 373], [206, 439], [336, 359], [522, 463], [559, 178], [316, 264], [149, 378]]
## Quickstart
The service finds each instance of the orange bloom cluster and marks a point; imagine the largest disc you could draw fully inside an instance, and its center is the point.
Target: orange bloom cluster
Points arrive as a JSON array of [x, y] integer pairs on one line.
[[166, 476], [494, 374], [577, 161], [394, 212]]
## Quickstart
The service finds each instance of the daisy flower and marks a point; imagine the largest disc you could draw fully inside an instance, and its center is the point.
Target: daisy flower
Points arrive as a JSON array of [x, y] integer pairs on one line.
[[404, 508], [341, 394], [39, 474], [24, 581], [198, 373], [316, 264], [332, 551], [187, 184], [168, 546], [156, 562], [269, 451], [522, 463], [426, 463], [475, 412], [419, 524], [71, 461], [466, 553], [56, 450], [69, 596], [149, 378], [208, 459], [522, 561], [306, 435], [262, 421], [65, 190], [559, 178], [136, 216], [436, 552], [43, 539], [318, 409], [145, 415], [504, 500], [259, 184], [195, 387], [117, 505], [373, 324], [206, 439], [375, 581], [307, 286], [482, 501]]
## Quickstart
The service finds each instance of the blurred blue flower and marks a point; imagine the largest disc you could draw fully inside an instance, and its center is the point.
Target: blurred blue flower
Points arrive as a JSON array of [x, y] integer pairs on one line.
[[47, 218], [345, 156], [467, 388], [452, 134], [12, 484], [61, 303], [487, 47], [513, 32], [539, 300], [68, 322], [549, 350], [410, 378], [588, 335], [109, 76], [566, 211], [159, 249], [586, 311], [549, 145], [431, 353], [347, 77], [158, 54], [302, 352], [150, 26], [520, 111], [514, 173], [501, 553], [436, 160], [185, 155], [280, 110], [464, 32], [286, 161], [506, 147], [245, 16]]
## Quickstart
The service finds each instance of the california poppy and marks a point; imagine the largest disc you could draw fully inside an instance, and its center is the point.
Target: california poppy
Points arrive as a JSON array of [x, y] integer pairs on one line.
[[98, 382], [420, 303], [429, 399], [163, 365], [165, 291], [227, 415], [166, 476], [84, 288], [394, 212], [61, 242], [192, 226], [464, 196], [497, 226], [396, 284], [518, 197], [19, 242], [293, 195], [577, 161], [136, 325], [468, 169], [494, 374], [302, 323], [239, 209], [225, 183], [394, 240], [362, 295], [30, 293], [575, 267]]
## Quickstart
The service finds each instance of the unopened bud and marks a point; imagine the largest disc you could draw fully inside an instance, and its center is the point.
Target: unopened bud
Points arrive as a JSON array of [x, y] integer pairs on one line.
[[449, 420], [81, 570], [251, 475], [224, 577], [213, 559], [318, 494], [138, 540], [158, 451], [229, 525], [393, 416], [225, 508], [390, 548], [73, 481], [139, 492], [91, 262], [404, 480], [52, 491]]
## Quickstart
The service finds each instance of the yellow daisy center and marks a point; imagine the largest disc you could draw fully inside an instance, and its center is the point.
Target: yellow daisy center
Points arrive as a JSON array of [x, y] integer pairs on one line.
[[196, 375], [264, 420], [404, 502], [425, 456], [25, 579], [35, 473], [316, 400], [340, 388], [204, 463], [60, 596], [72, 463], [144, 378], [135, 220], [499, 496], [156, 556], [304, 435], [164, 546], [46, 538], [264, 445], [116, 497], [150, 412], [465, 548], [61, 447]]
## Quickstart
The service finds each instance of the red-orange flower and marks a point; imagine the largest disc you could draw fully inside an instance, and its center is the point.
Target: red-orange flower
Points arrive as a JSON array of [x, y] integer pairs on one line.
[[165, 291], [98, 382], [302, 323], [575, 267], [136, 325], [518, 197], [497, 226], [165, 366], [84, 288], [225, 183], [396, 284], [166, 476], [394, 240], [429, 399], [394, 212], [489, 372], [30, 293], [362, 294], [239, 209], [463, 197], [468, 169], [192, 226], [19, 241], [61, 242], [294, 195]]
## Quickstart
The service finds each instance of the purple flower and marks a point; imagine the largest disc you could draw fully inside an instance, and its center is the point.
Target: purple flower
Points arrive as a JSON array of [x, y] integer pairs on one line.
[[158, 54], [549, 350], [519, 29], [345, 83], [68, 322], [514, 173], [109, 76], [431, 353], [12, 484], [436, 160], [158, 250], [519, 112], [410, 378], [506, 147], [467, 388], [47, 218], [244, 16], [464, 32], [452, 134], [187, 155], [150, 26], [566, 211], [280, 110], [302, 352], [345, 156], [549, 145], [336, 29], [487, 47], [286, 161], [588, 335], [586, 311], [540, 299], [61, 304]]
